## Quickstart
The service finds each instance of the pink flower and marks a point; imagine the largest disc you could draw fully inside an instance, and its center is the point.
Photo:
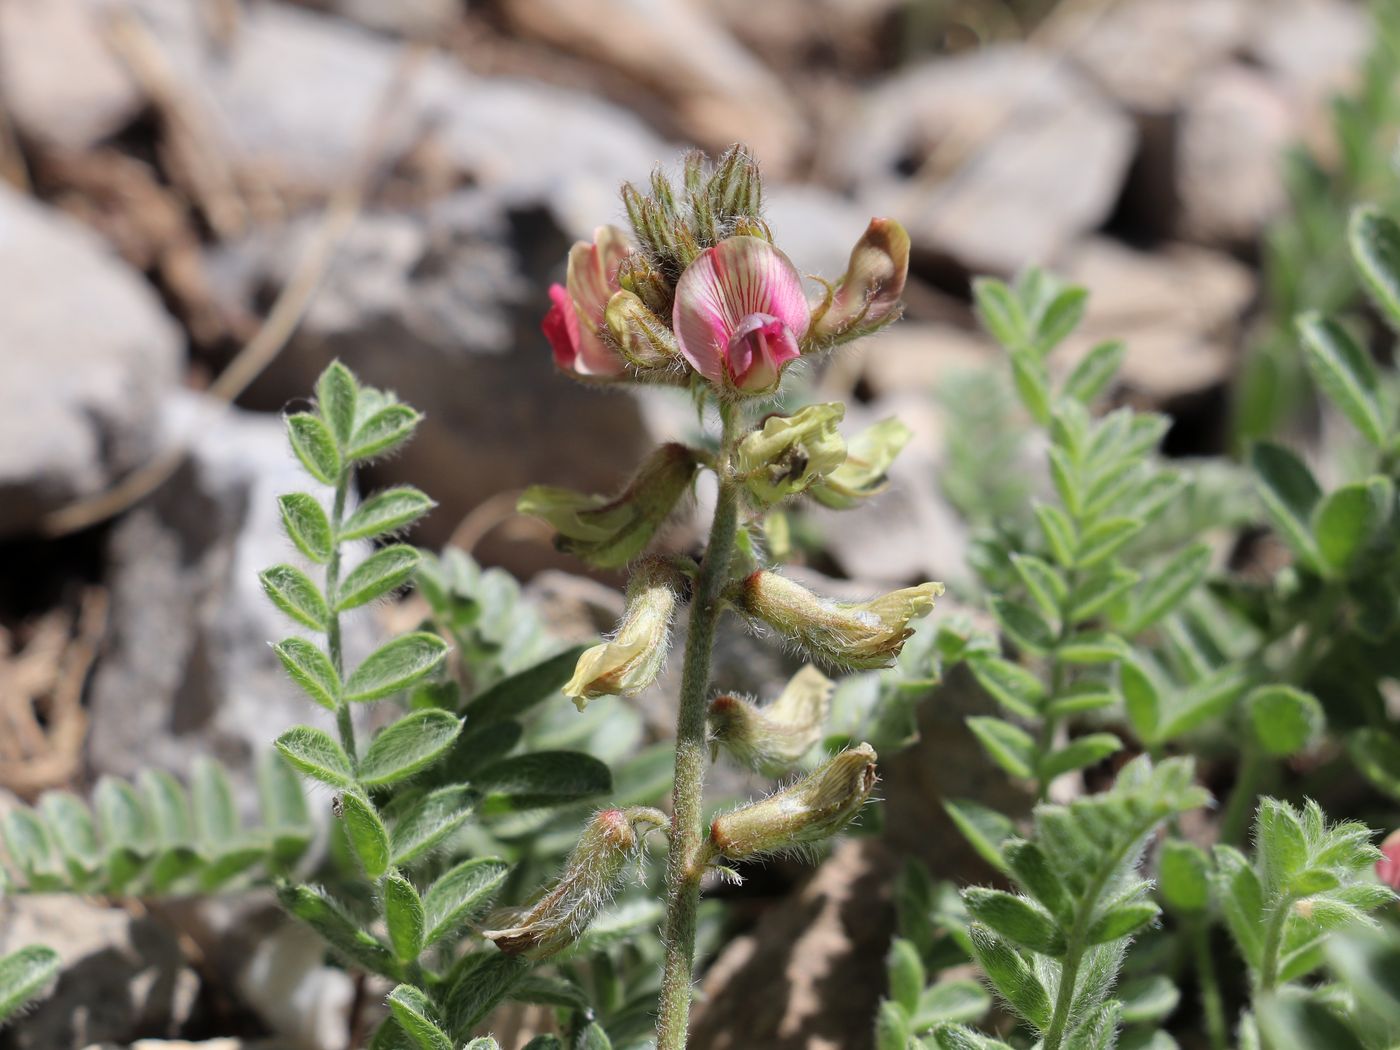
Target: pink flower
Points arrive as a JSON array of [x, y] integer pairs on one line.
[[740, 313], [573, 323], [1388, 867]]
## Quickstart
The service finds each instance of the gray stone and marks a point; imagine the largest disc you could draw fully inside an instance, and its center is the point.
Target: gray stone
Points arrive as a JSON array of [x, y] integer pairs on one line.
[[1178, 310], [717, 92], [298, 92], [86, 353], [122, 973], [993, 159], [816, 228], [189, 669], [1229, 178], [1147, 54]]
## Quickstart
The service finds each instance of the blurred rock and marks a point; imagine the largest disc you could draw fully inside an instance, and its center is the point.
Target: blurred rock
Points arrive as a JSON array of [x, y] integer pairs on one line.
[[419, 19], [1229, 178], [816, 228], [275, 965], [1313, 47], [88, 354], [994, 159], [815, 37], [297, 95], [444, 308], [189, 670], [716, 90], [914, 356], [1177, 309], [122, 974], [1148, 53], [60, 82], [208, 1044]]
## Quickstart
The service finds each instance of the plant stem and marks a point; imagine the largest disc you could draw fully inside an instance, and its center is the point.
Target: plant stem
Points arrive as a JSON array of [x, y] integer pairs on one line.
[[684, 866], [343, 723], [1212, 1006], [1234, 820]]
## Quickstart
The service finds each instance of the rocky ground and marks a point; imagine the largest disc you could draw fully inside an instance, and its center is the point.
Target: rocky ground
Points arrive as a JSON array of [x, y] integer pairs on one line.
[[395, 185]]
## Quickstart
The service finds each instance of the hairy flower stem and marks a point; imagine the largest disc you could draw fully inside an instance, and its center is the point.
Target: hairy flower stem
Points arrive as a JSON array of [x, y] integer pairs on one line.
[[685, 861], [343, 723]]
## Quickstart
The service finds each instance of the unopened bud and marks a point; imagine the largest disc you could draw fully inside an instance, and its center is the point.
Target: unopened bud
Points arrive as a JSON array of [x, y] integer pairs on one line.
[[866, 470], [633, 658], [815, 807], [867, 295], [772, 740], [638, 276], [789, 453], [736, 187], [591, 877], [856, 635], [643, 338], [610, 532]]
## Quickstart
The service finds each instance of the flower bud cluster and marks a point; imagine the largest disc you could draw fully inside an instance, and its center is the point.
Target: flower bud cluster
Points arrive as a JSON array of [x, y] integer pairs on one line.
[[814, 808], [592, 875], [705, 293]]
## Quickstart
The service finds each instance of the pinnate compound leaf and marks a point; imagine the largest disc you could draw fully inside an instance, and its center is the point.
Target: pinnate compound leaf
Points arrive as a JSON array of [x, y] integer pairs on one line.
[[462, 893], [366, 833], [985, 829], [1345, 372], [415, 1014], [540, 779], [24, 975], [1284, 720], [292, 591], [306, 525], [1016, 919], [383, 432], [403, 917], [336, 395], [1095, 371], [312, 906], [512, 696], [1079, 753], [1290, 493], [311, 669], [1375, 247], [1011, 975], [315, 446], [429, 820], [316, 753], [386, 512], [1010, 684], [395, 666], [1345, 522], [383, 571], [1122, 920], [1009, 746], [408, 746]]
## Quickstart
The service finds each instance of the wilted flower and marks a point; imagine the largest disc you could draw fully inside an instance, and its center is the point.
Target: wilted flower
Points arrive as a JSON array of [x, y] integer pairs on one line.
[[865, 471], [815, 807], [773, 739], [633, 658], [590, 878], [788, 453], [1388, 867], [573, 324], [867, 295], [610, 532], [740, 313], [857, 635]]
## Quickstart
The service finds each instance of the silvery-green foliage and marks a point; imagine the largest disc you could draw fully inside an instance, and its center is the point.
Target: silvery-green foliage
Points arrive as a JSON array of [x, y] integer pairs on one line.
[[24, 974], [158, 836], [449, 768]]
